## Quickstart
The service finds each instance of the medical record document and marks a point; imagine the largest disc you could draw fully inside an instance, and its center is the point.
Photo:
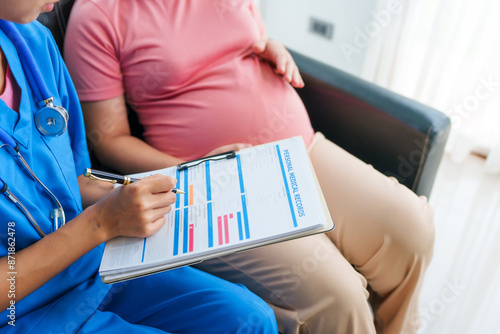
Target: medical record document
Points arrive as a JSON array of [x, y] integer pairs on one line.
[[232, 202]]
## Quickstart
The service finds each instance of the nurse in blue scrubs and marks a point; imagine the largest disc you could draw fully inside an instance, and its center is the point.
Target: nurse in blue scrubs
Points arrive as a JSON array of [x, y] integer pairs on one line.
[[53, 221]]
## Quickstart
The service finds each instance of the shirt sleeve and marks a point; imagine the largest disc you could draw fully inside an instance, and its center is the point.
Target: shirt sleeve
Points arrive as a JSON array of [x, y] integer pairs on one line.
[[91, 52]]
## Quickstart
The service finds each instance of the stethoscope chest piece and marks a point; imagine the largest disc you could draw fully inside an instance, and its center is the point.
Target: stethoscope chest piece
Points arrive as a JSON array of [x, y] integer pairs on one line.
[[52, 120]]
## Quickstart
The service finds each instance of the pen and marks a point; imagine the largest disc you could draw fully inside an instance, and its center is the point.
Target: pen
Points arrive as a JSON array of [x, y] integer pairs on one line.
[[94, 174]]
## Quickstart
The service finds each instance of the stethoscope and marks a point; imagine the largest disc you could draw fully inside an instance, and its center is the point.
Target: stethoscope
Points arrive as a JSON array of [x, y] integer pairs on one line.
[[50, 120]]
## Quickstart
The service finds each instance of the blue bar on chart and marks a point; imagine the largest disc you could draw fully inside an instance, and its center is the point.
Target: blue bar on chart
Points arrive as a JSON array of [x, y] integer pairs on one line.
[[186, 184], [210, 225], [245, 216], [243, 198], [240, 174], [176, 233], [177, 185], [207, 177], [209, 205], [176, 219], [240, 226], [290, 203], [143, 249]]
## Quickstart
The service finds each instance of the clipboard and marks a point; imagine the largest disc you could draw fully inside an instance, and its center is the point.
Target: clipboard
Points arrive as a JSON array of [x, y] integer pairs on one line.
[[270, 194]]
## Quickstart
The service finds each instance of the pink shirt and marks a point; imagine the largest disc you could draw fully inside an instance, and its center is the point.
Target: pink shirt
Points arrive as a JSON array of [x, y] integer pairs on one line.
[[187, 68], [11, 93]]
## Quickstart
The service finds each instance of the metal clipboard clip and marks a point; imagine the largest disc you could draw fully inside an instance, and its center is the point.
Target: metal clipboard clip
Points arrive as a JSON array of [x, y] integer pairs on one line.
[[215, 157]]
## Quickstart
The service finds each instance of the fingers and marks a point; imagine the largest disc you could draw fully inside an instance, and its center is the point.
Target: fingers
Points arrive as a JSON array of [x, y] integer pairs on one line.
[[290, 69], [282, 64], [148, 216], [276, 53], [297, 81], [240, 146], [158, 183], [226, 148], [145, 229], [259, 47], [138, 209], [154, 224], [158, 194], [162, 200], [156, 205], [290, 72]]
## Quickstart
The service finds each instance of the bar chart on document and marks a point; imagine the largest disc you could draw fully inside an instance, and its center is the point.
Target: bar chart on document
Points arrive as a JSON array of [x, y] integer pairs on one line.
[[256, 196]]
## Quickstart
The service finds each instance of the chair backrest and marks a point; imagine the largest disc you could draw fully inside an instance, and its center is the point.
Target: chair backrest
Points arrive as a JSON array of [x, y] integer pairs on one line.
[[57, 20]]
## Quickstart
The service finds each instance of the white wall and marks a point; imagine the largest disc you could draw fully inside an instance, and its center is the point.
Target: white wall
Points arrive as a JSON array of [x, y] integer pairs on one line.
[[289, 20]]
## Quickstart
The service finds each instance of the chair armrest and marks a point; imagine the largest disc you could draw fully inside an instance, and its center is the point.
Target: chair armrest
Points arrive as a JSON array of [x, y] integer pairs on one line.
[[398, 136]]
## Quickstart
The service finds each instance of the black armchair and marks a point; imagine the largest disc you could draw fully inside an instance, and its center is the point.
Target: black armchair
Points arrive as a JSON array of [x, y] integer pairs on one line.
[[398, 136]]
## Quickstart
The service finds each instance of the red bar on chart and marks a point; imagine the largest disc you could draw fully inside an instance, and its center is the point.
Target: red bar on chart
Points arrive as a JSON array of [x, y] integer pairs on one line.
[[226, 229], [191, 237], [219, 225]]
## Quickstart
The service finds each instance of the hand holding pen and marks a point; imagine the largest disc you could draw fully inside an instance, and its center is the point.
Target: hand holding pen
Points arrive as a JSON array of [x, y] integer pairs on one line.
[[115, 178], [136, 210]]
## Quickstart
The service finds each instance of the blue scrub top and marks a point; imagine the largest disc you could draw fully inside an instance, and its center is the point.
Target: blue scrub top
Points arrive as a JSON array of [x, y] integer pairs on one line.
[[64, 303]]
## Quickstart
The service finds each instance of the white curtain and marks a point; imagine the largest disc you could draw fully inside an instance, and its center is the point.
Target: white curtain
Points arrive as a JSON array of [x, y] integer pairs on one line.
[[446, 54]]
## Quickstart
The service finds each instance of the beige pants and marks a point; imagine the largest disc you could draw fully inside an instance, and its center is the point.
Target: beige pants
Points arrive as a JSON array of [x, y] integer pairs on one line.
[[383, 237]]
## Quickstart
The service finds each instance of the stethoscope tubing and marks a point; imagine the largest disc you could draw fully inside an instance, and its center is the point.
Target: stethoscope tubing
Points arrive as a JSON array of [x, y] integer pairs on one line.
[[9, 141], [44, 100], [32, 71], [5, 189]]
